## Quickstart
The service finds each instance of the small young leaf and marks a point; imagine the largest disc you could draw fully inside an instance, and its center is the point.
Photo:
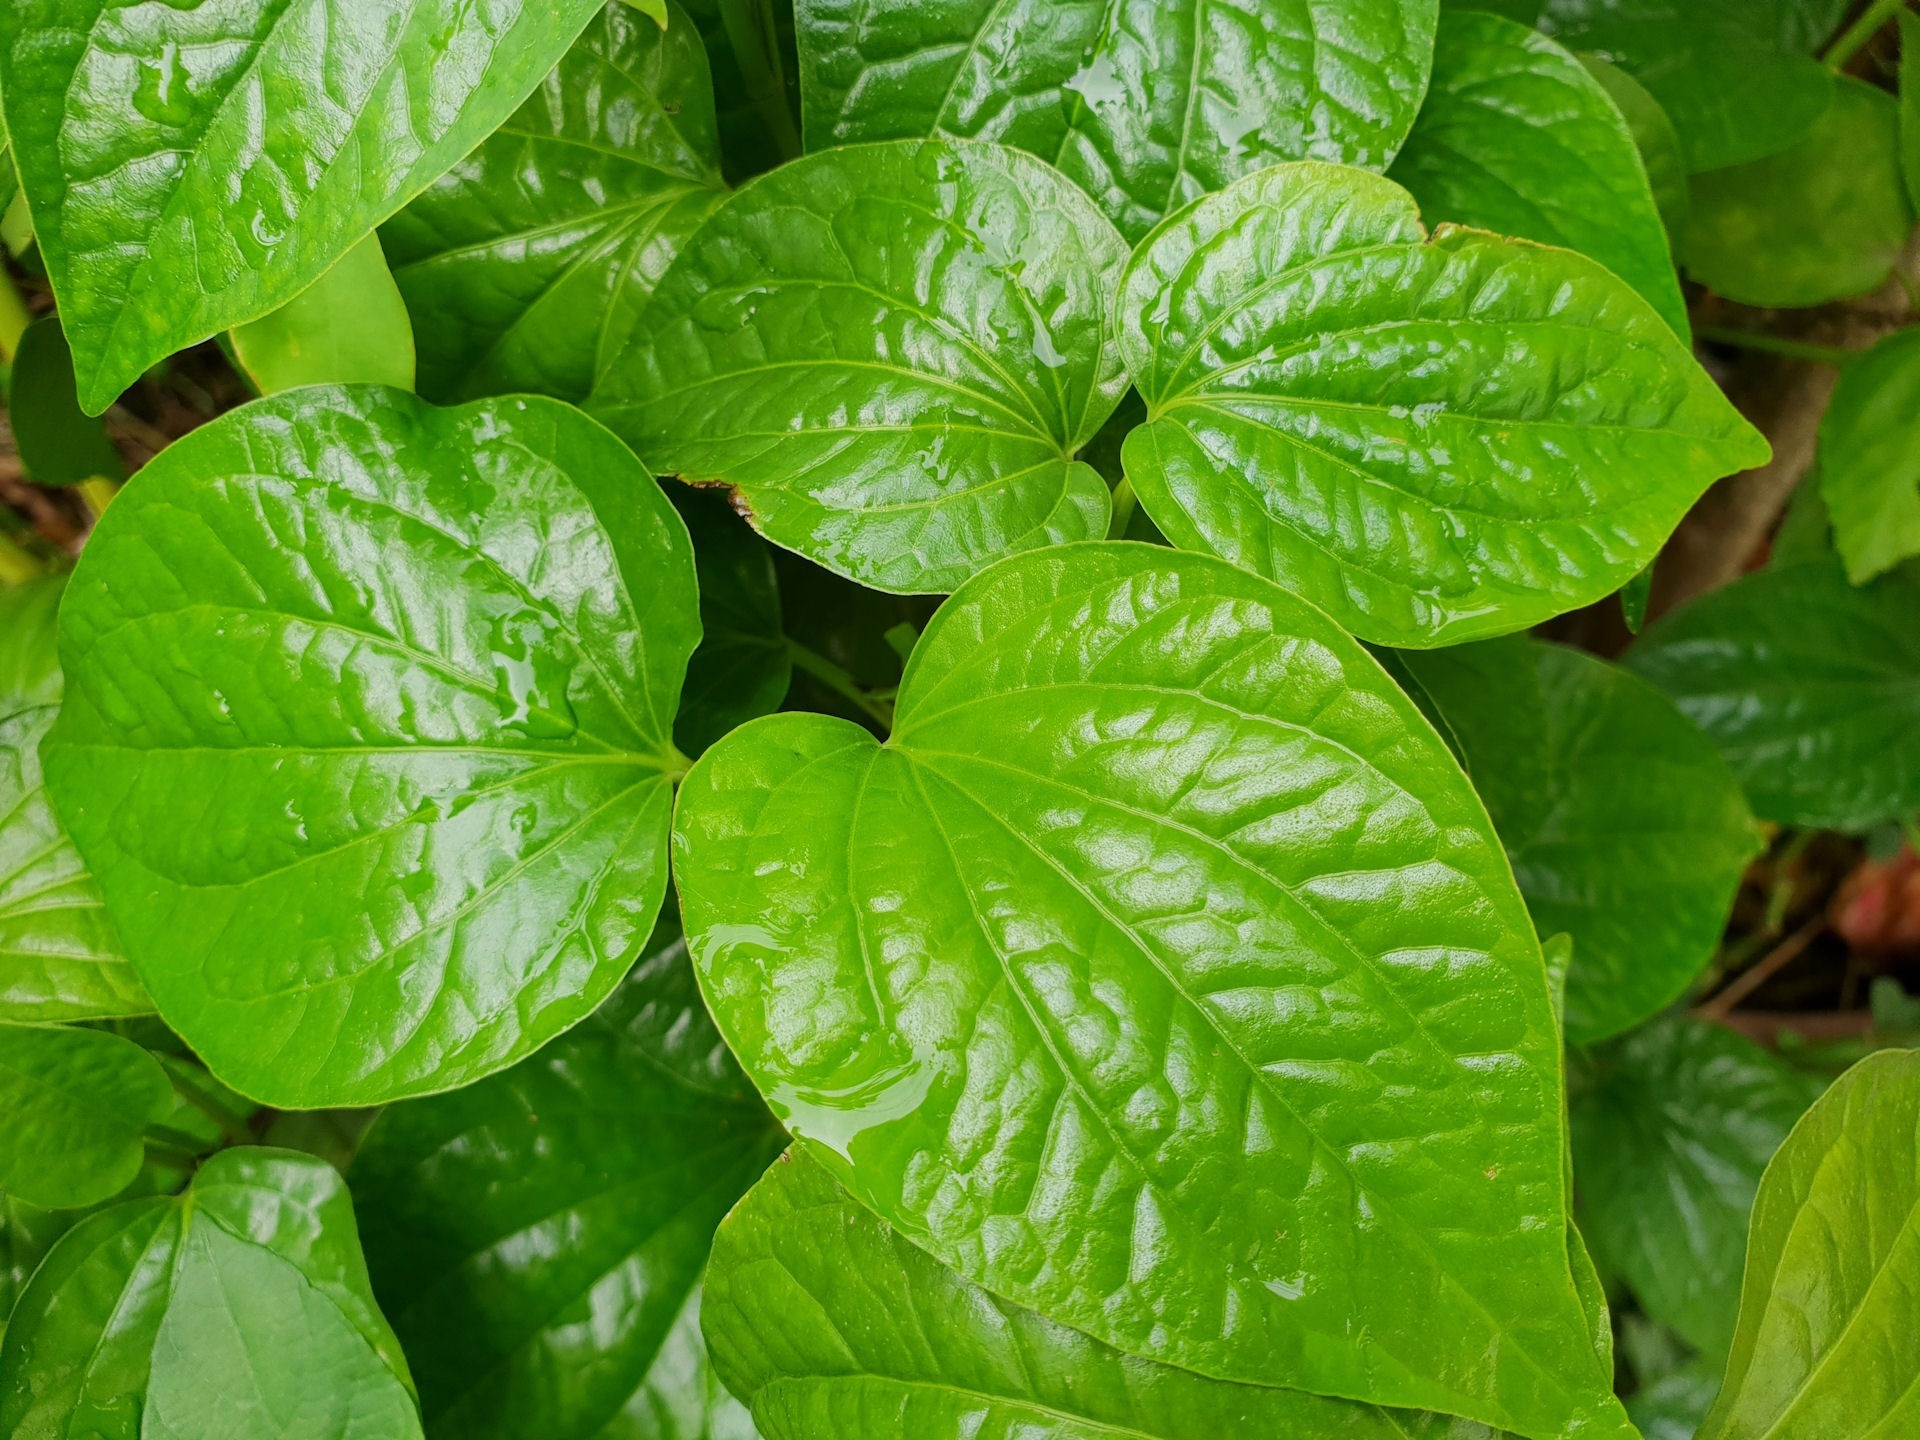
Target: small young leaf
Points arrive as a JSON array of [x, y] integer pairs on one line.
[[77, 1104], [1145, 106], [1827, 1348], [1435, 440], [349, 327], [1658, 142], [1162, 974], [1517, 138], [192, 168], [1870, 458], [368, 733], [891, 353], [526, 264], [1810, 687], [743, 668], [59, 444], [1823, 220]]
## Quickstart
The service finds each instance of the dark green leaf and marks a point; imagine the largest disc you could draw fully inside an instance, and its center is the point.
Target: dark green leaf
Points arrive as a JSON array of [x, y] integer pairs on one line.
[[1870, 458], [59, 443], [1517, 138], [1810, 687], [1658, 142], [1672, 1407], [1626, 829], [27, 1233], [237, 1311], [1146, 106], [1821, 221], [741, 670], [77, 1105], [1434, 440], [367, 733], [349, 327], [1634, 596], [1672, 1127], [1910, 104], [1527, 12], [1162, 974], [192, 168], [526, 265], [756, 76], [1827, 1348], [539, 1238], [891, 353]]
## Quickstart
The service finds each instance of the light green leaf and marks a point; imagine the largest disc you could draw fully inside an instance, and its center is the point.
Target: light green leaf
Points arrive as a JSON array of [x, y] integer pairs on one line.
[[58, 443], [1827, 1348], [891, 353], [1435, 440], [1672, 1126], [194, 168], [1517, 138], [77, 1105], [539, 1238], [349, 327], [59, 956], [239, 1310], [1162, 974], [1810, 687], [367, 733], [1659, 145], [1824, 220], [1870, 458], [1626, 829], [1145, 106], [526, 264], [743, 667]]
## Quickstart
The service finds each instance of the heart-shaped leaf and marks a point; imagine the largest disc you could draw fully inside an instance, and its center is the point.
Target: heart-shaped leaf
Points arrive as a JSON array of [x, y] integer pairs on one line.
[[367, 733], [1626, 829], [891, 353], [1870, 457], [526, 264], [237, 1311], [1162, 974], [538, 1239], [191, 168], [1517, 138], [349, 327], [1144, 105], [1434, 439], [77, 1103]]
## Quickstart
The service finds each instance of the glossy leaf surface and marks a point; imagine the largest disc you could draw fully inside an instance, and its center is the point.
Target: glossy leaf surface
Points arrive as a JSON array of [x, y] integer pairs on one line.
[[77, 1103], [349, 327], [1517, 138], [537, 1238], [59, 956], [526, 264], [1823, 220], [891, 354], [1870, 458], [1435, 440], [898, 1347], [1144, 105], [367, 733], [1809, 685], [1827, 1346], [1162, 974], [1658, 142], [1672, 1127], [1626, 829], [742, 669], [58, 443], [237, 1311]]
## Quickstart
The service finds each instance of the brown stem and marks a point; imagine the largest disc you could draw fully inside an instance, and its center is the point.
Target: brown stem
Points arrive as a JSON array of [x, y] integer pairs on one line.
[[1763, 970]]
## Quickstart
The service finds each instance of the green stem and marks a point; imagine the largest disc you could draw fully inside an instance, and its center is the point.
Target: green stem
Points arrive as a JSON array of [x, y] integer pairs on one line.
[[811, 662], [17, 564], [1123, 505], [1856, 35], [756, 49], [235, 1127], [1774, 345], [14, 318], [97, 493]]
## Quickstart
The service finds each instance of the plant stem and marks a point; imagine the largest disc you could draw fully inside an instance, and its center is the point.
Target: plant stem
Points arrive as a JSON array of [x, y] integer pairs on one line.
[[97, 493], [1769, 965], [17, 564], [811, 662], [756, 49], [1123, 505], [1774, 345], [14, 318], [1856, 35]]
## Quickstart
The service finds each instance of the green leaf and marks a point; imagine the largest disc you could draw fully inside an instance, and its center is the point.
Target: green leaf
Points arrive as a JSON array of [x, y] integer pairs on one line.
[[77, 1103], [367, 733], [1824, 220], [1672, 1407], [1517, 138], [1144, 106], [1658, 142], [538, 1239], [194, 168], [526, 264], [1162, 974], [1672, 1126], [1827, 1348], [1810, 687], [59, 956], [58, 443], [743, 667], [1527, 12], [237, 1311], [1910, 104], [27, 1233], [349, 327], [1870, 458], [1626, 829], [891, 353], [1434, 440], [833, 1326]]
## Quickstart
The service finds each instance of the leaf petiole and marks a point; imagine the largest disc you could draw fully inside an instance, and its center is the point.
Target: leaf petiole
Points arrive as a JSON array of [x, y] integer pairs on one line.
[[1851, 40], [872, 704], [1762, 344]]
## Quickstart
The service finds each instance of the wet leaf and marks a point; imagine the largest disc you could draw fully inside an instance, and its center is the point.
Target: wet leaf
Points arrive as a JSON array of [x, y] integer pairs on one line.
[[1870, 458], [77, 1103]]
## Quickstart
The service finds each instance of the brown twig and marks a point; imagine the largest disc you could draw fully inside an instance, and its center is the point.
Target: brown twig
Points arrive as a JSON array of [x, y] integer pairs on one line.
[[1818, 1027], [1762, 970]]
